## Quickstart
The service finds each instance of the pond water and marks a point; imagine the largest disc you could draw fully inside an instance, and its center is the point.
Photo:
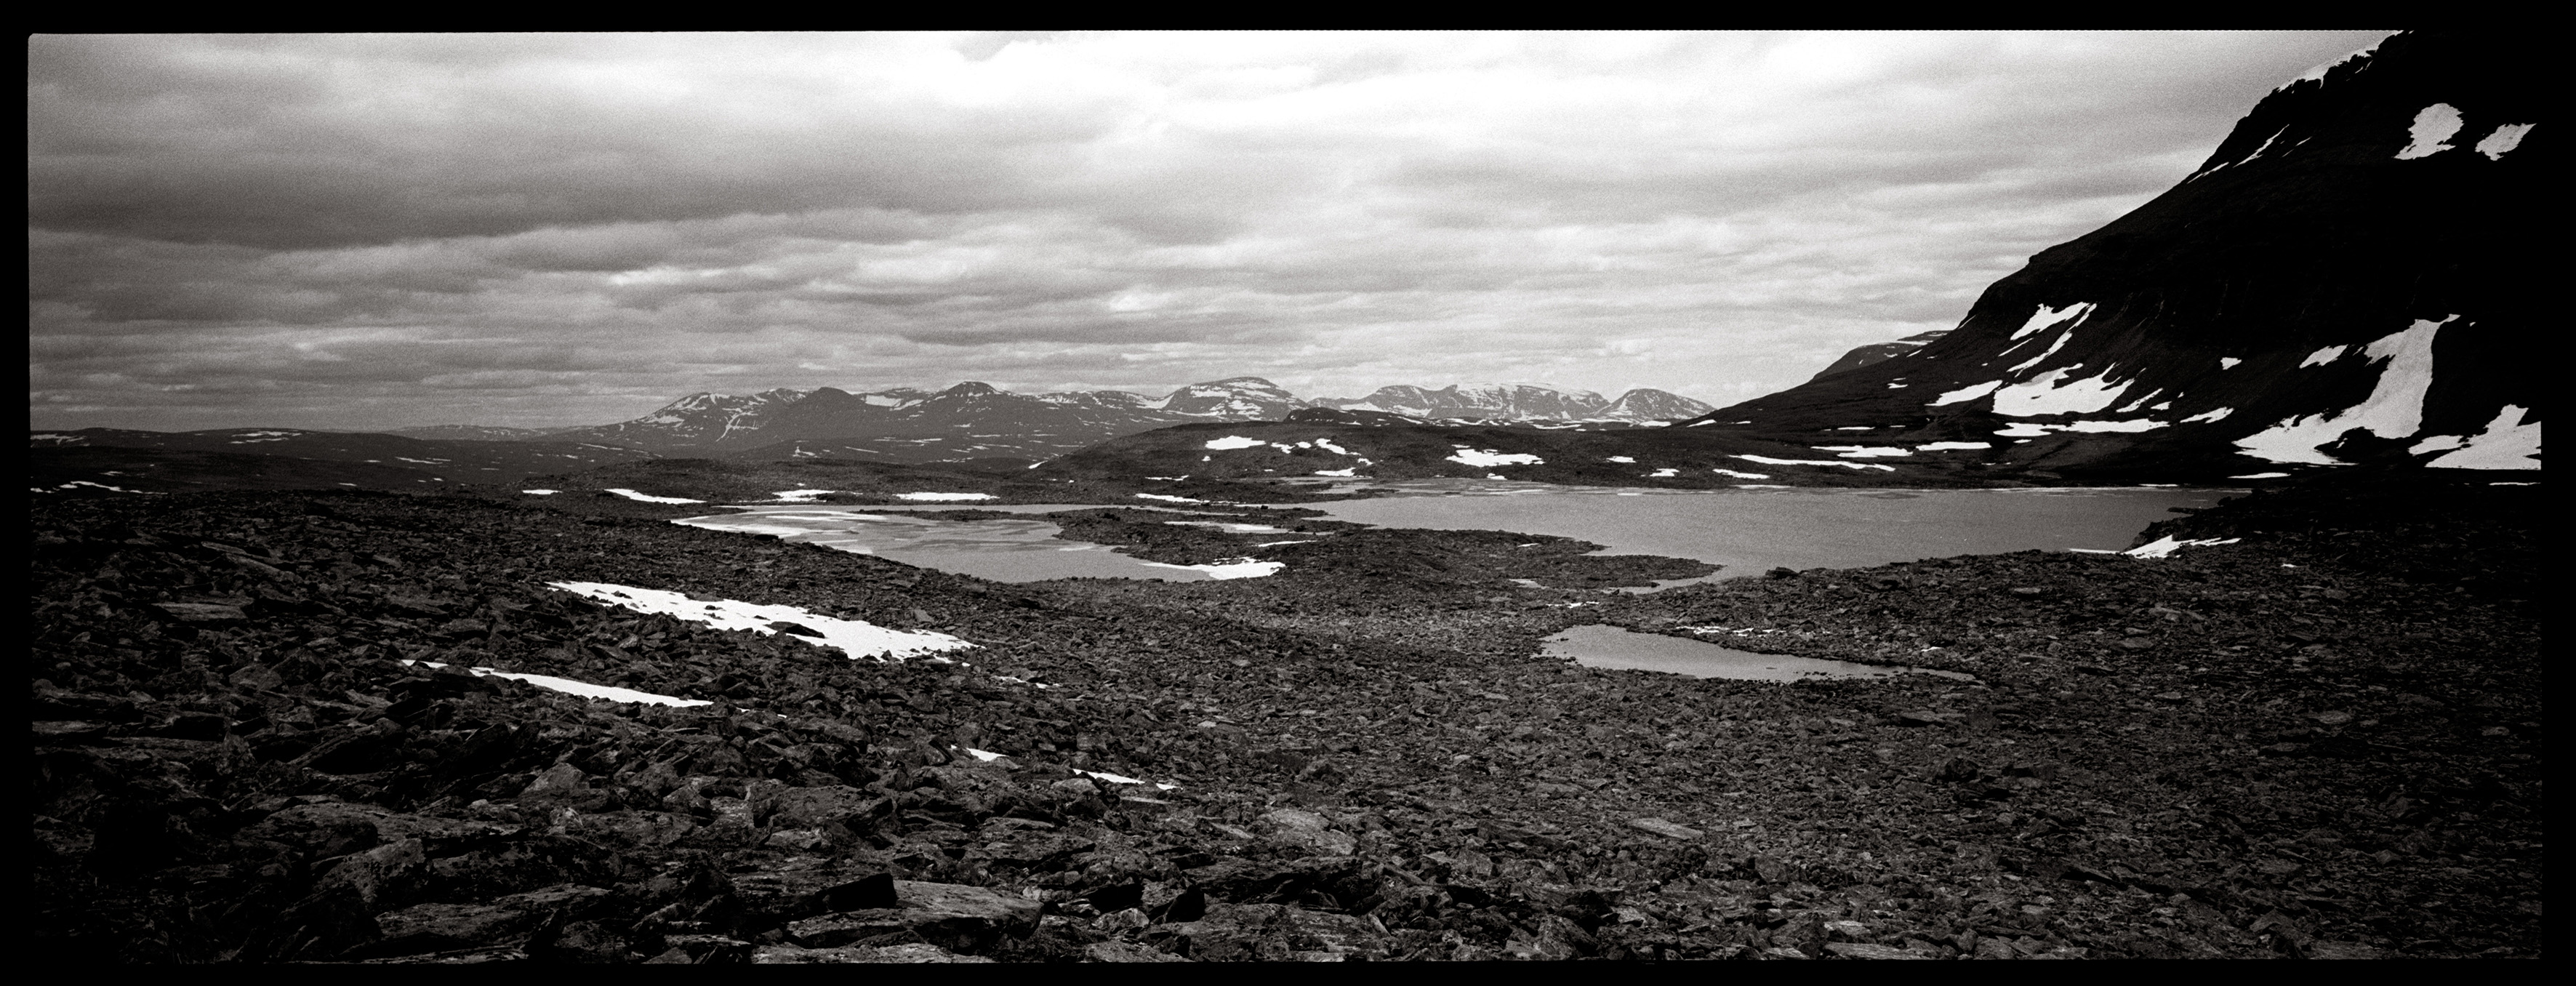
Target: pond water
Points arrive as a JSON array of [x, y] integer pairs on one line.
[[1598, 646], [1751, 531]]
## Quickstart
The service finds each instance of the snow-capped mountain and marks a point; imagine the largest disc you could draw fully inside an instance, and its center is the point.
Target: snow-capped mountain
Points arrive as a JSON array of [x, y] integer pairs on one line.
[[1861, 356], [694, 421], [2349, 277], [1521, 402], [1233, 399]]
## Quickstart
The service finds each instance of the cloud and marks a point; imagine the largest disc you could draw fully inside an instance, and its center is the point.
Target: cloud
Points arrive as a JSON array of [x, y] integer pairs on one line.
[[382, 230]]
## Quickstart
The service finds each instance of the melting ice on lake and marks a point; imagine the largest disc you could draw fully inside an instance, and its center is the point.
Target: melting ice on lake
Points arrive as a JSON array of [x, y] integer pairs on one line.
[[1611, 648]]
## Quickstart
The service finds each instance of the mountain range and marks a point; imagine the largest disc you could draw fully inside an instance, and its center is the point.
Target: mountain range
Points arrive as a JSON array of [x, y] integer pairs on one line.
[[974, 420]]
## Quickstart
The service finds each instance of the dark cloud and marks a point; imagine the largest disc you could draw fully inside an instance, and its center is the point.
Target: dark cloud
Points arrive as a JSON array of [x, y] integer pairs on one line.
[[383, 230]]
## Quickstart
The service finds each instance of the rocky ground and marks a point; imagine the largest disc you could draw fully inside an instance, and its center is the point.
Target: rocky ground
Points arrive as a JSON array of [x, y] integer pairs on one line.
[[2321, 741]]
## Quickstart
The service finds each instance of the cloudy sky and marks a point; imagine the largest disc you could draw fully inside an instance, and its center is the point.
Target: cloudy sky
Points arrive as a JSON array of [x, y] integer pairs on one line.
[[381, 231]]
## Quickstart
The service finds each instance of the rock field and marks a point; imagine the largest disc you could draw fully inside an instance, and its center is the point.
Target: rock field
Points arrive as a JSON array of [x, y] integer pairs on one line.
[[2322, 741]]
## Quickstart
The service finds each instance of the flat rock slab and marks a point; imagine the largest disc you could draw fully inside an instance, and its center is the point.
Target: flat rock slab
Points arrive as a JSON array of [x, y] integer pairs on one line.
[[940, 912], [1663, 828], [890, 954]]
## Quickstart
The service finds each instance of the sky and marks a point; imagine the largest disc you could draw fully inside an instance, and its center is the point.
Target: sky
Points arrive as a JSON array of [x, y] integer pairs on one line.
[[381, 231]]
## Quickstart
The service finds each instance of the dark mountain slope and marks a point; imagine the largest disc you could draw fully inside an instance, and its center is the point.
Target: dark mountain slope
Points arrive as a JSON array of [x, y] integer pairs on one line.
[[2350, 269]]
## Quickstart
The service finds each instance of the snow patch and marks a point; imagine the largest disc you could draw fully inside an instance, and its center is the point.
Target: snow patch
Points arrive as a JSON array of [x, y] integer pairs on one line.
[[2504, 139], [1953, 446], [1231, 442], [1865, 451], [1769, 461], [944, 497], [856, 638], [2262, 475], [1622, 460], [1167, 499], [1489, 458], [540, 492], [1741, 475], [2505, 443], [1116, 779], [1968, 393], [2432, 131], [2047, 316], [2323, 356], [2394, 409], [1353, 471], [800, 496], [1327, 445], [1666, 472], [2042, 395], [2167, 545], [649, 498], [2053, 346], [582, 688], [2229, 362], [103, 486], [1231, 568]]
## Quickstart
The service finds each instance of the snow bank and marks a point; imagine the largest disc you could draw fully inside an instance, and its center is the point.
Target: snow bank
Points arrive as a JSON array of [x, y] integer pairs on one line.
[[1865, 451], [856, 638], [2043, 395], [2432, 131], [1953, 446], [2167, 545], [944, 497], [2505, 443], [1235, 568], [1489, 458], [1231, 442], [2394, 409], [799, 496], [1769, 461], [650, 498], [582, 688], [1353, 471], [2504, 139]]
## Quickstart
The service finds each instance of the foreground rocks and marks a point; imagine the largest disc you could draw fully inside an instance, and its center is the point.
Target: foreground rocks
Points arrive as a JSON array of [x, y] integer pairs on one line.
[[2213, 754]]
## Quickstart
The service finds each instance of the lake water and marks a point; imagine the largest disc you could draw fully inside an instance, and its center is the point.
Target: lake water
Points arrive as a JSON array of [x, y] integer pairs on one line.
[[1753, 531], [1609, 647], [1747, 531]]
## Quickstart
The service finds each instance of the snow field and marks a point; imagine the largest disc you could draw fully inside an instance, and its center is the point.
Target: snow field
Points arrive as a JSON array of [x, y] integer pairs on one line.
[[2394, 409]]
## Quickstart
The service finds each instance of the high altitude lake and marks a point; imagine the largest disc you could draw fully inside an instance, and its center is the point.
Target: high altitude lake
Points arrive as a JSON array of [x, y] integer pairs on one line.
[[1747, 530]]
